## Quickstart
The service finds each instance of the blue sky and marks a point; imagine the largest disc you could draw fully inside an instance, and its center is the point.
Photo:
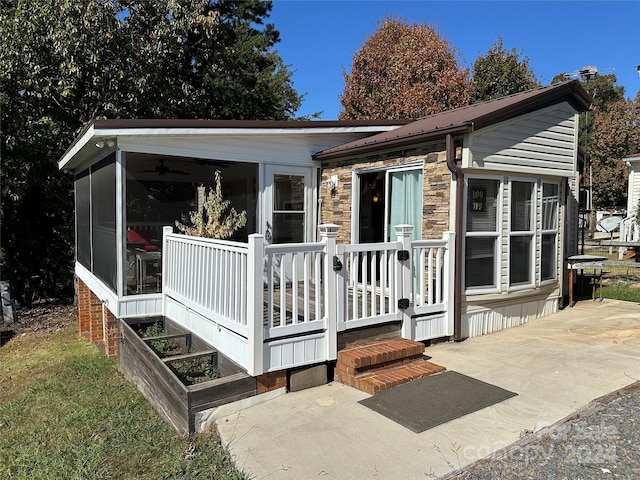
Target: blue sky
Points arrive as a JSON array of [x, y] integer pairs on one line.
[[320, 37]]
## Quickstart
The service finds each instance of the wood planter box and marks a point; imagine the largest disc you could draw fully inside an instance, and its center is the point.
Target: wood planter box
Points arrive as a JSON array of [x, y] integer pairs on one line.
[[181, 405]]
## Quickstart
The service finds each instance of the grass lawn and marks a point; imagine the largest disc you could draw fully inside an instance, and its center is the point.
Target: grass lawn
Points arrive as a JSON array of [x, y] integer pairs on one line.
[[67, 413], [622, 277], [621, 291]]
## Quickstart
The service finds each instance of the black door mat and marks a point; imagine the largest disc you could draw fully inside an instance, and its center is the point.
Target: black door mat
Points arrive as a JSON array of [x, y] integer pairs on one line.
[[436, 399]]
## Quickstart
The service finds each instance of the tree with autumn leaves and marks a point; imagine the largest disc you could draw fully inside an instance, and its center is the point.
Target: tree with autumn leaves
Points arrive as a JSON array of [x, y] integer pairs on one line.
[[613, 135], [404, 71]]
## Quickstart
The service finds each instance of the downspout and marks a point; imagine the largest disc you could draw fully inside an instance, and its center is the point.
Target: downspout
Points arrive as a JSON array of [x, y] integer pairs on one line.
[[459, 215]]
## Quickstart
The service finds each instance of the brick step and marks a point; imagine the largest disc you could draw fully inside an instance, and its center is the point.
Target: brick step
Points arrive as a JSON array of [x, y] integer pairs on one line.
[[379, 354], [381, 380], [378, 366]]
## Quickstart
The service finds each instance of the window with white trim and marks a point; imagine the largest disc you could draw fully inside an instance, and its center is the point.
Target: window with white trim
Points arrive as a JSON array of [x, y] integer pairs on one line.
[[521, 233], [482, 233], [549, 231]]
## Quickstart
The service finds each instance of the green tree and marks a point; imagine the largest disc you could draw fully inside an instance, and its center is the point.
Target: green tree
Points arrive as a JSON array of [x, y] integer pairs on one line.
[[614, 135], [64, 62], [500, 73], [403, 71], [604, 134]]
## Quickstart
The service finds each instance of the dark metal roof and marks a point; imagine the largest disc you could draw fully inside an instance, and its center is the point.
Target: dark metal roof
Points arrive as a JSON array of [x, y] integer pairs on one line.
[[466, 119]]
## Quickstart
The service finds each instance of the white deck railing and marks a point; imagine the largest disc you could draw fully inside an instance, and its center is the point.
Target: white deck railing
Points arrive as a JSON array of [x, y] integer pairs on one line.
[[208, 276], [369, 284], [270, 307], [431, 277]]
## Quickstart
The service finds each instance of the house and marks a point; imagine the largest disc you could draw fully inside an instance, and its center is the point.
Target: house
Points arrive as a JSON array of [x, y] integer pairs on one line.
[[132, 177], [449, 226], [629, 230], [502, 174]]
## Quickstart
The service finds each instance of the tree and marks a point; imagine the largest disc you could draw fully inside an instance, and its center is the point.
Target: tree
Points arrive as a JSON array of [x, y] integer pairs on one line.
[[603, 132], [65, 62], [501, 73], [614, 135], [403, 71]]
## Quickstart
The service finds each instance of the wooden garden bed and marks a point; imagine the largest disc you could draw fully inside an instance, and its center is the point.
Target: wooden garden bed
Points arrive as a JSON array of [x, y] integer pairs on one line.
[[181, 375]]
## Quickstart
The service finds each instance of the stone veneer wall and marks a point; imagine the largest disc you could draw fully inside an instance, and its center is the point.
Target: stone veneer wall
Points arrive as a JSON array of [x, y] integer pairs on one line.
[[436, 182]]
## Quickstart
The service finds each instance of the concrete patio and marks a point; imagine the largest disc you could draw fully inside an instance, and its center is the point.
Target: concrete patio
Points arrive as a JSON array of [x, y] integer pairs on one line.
[[556, 365]]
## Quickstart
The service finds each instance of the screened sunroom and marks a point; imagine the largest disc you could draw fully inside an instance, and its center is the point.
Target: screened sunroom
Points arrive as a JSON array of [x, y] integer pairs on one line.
[[134, 177]]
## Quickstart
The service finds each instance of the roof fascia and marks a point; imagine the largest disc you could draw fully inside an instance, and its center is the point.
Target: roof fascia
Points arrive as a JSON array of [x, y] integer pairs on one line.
[[431, 135], [573, 97], [85, 136], [101, 129]]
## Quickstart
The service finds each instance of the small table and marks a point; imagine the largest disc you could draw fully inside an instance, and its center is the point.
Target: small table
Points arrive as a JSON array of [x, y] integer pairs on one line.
[[585, 262], [142, 259]]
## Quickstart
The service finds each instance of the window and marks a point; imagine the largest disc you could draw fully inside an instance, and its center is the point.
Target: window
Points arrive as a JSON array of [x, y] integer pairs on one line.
[[549, 241], [514, 242], [103, 220], [83, 219], [482, 233], [521, 233], [288, 208]]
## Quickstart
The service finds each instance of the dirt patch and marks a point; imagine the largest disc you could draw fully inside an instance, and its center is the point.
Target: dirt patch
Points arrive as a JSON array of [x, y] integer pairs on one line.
[[45, 317]]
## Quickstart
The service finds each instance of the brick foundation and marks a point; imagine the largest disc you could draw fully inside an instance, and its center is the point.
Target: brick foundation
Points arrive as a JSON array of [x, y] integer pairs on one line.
[[95, 322], [271, 381], [111, 333], [84, 310], [96, 332]]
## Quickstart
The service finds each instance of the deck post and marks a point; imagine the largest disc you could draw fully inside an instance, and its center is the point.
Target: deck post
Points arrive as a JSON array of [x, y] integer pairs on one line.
[[448, 280], [164, 265], [255, 299], [328, 235], [403, 234]]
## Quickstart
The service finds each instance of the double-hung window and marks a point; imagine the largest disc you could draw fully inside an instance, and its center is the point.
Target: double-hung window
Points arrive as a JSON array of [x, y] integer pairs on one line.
[[549, 233], [483, 224], [522, 233]]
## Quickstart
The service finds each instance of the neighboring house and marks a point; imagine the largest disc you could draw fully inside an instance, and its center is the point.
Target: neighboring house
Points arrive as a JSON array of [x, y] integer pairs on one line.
[[629, 230], [501, 175], [633, 186]]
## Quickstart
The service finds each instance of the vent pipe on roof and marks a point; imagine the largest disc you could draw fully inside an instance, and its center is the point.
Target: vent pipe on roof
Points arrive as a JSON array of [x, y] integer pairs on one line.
[[457, 255]]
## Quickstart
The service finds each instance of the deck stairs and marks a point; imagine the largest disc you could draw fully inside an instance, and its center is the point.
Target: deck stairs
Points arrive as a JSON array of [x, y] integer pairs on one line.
[[384, 364]]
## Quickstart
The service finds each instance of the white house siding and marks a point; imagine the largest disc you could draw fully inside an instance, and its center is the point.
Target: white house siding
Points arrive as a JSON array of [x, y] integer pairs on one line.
[[479, 320], [633, 193], [540, 143]]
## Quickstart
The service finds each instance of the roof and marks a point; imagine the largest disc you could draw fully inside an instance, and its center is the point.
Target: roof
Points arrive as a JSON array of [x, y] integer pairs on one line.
[[466, 119], [97, 130], [634, 157]]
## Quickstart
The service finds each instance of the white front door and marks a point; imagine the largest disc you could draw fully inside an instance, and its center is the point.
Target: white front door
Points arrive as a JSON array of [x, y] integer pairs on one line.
[[289, 204], [289, 215]]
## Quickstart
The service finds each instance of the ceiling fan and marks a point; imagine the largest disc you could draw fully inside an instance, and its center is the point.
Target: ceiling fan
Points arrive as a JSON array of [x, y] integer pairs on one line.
[[214, 163], [163, 169]]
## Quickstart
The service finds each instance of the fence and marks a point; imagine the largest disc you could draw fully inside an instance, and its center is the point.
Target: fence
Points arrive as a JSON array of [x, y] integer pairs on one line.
[[271, 307]]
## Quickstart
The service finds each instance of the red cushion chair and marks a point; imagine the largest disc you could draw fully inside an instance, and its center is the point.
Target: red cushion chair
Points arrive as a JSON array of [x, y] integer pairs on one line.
[[140, 237]]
